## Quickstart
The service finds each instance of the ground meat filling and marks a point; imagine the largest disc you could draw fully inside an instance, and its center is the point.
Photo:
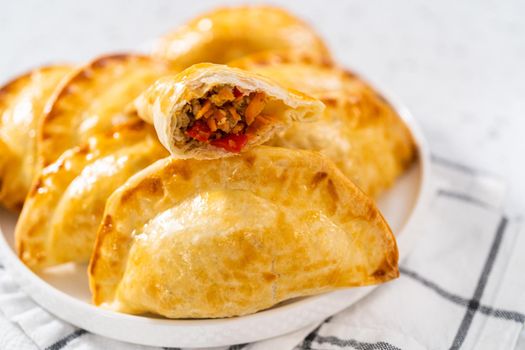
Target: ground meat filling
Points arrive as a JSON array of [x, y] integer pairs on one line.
[[225, 117]]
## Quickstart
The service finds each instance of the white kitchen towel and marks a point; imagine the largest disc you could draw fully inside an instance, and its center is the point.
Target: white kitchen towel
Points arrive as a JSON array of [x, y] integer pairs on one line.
[[462, 287]]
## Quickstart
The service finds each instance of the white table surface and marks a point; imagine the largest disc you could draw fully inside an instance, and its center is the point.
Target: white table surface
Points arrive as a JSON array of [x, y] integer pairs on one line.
[[459, 66]]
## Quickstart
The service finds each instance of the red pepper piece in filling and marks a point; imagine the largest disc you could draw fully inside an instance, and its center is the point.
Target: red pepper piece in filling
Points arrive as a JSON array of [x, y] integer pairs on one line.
[[199, 131], [237, 92], [231, 143]]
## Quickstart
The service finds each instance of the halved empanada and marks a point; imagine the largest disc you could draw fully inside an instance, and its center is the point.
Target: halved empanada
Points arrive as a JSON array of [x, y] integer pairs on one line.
[[94, 100], [22, 103], [210, 111], [229, 33], [231, 236], [359, 131], [63, 210]]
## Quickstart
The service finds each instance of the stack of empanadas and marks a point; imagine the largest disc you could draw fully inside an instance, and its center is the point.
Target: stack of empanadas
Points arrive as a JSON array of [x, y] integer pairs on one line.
[[197, 189]]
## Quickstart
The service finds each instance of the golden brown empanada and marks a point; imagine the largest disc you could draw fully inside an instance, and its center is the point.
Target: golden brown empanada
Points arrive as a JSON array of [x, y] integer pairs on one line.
[[63, 210], [209, 111], [359, 131], [229, 33], [22, 103], [276, 57], [231, 236], [94, 100]]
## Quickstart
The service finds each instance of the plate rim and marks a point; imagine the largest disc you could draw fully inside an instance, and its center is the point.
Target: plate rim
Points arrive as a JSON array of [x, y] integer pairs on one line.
[[50, 297]]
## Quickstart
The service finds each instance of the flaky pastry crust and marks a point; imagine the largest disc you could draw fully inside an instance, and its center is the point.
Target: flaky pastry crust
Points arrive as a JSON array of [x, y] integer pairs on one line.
[[59, 221], [22, 103], [95, 99], [231, 236], [229, 33], [359, 131]]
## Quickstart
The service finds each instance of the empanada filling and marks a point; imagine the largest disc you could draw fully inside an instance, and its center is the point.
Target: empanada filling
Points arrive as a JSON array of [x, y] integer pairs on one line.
[[225, 117]]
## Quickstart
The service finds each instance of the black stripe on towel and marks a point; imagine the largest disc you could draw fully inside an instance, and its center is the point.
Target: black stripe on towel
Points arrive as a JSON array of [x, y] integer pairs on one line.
[[503, 314], [457, 166], [463, 197], [67, 339], [307, 342], [332, 340], [486, 310], [474, 305], [355, 344]]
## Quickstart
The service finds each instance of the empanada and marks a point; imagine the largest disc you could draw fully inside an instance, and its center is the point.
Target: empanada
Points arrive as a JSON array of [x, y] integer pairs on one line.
[[22, 103], [218, 238], [359, 131], [229, 33], [59, 221], [275, 57], [94, 100], [209, 111]]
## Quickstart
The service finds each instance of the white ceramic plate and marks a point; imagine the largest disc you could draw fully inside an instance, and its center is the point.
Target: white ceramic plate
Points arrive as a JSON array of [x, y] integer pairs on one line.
[[64, 291]]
